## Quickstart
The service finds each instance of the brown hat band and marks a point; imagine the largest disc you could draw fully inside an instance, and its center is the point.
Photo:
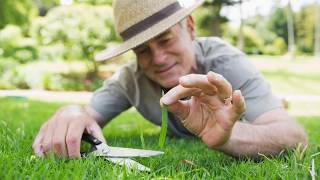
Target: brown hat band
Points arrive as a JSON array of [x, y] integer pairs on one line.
[[150, 21]]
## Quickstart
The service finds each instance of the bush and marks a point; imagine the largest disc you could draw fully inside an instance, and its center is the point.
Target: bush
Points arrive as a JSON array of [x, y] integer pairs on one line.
[[18, 12], [253, 44], [13, 44], [80, 29], [7, 64], [53, 52], [257, 41], [278, 47], [46, 75]]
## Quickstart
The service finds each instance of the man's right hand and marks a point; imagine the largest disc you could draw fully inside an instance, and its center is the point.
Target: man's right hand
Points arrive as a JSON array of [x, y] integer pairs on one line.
[[62, 133]]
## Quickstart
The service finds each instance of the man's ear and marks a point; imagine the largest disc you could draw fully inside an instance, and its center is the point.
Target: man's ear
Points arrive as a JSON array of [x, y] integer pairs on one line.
[[191, 27]]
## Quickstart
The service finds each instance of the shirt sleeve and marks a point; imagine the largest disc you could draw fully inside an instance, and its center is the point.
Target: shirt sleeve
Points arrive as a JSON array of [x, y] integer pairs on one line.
[[111, 99], [243, 75]]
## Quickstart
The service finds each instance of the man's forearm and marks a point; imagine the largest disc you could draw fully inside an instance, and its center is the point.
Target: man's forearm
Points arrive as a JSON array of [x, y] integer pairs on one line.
[[95, 115], [268, 139]]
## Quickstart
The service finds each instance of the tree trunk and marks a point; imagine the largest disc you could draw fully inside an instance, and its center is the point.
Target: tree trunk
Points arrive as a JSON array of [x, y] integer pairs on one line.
[[317, 31], [216, 22], [216, 28], [291, 44], [240, 41]]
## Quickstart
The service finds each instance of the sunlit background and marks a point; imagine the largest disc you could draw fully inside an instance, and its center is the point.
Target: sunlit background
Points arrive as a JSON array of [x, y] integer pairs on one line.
[[50, 44]]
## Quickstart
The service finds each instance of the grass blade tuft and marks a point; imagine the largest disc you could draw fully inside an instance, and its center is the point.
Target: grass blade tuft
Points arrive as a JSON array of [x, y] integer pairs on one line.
[[164, 126]]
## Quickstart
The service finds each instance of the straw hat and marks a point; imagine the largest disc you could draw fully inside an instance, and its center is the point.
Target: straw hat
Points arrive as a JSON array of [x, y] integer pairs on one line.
[[138, 21]]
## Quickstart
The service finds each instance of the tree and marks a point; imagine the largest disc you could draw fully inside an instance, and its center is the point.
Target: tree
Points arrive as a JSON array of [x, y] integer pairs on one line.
[[18, 12], [95, 2], [290, 25], [317, 30], [278, 23], [211, 18], [305, 21], [45, 5], [240, 41], [81, 29]]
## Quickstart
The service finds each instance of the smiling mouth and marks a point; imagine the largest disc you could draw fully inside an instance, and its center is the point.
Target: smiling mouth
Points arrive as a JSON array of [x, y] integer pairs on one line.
[[166, 69]]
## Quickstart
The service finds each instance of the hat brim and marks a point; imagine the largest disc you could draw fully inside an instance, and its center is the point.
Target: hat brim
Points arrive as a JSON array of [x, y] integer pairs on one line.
[[148, 34]]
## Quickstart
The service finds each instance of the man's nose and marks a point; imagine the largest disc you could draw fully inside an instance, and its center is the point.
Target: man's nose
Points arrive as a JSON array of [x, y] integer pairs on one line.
[[158, 55]]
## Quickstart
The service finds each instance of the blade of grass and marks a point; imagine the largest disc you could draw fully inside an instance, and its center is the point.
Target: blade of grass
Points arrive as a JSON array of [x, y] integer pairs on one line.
[[313, 172], [164, 126], [142, 140]]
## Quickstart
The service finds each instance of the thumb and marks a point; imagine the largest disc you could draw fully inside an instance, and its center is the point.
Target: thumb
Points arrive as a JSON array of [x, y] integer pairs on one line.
[[95, 130], [239, 105]]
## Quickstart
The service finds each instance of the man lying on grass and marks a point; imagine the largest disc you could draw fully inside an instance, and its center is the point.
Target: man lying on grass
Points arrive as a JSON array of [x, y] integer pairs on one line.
[[212, 90]]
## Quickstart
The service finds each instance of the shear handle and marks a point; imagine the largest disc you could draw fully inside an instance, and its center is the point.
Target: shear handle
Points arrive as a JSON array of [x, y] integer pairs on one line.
[[90, 139]]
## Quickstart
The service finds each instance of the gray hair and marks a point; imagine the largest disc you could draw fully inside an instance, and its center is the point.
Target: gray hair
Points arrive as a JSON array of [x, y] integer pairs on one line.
[[183, 23]]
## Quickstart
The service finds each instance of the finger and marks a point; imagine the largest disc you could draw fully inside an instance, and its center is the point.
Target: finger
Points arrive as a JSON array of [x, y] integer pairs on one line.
[[181, 109], [46, 143], [177, 93], [58, 139], [95, 130], [38, 140], [73, 138], [198, 81], [238, 106], [223, 86]]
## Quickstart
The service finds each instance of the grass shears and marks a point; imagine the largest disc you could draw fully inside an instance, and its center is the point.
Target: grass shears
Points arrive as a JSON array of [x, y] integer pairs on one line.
[[118, 155]]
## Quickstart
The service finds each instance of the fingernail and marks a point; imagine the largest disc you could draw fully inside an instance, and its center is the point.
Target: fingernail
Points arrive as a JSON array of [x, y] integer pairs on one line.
[[215, 75], [218, 76], [39, 152], [238, 92], [211, 73], [161, 104], [165, 100], [183, 80], [89, 129]]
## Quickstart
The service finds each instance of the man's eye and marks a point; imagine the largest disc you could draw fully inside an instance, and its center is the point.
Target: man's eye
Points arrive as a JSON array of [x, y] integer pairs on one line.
[[164, 41], [141, 51]]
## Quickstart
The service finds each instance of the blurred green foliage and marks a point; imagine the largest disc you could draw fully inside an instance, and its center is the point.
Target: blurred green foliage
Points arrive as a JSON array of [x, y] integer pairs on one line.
[[304, 27], [278, 23], [19, 12], [95, 2], [14, 44], [258, 38], [76, 32], [209, 20], [56, 76]]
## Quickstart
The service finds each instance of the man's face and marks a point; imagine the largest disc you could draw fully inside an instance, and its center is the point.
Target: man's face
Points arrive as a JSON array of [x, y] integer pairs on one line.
[[167, 57]]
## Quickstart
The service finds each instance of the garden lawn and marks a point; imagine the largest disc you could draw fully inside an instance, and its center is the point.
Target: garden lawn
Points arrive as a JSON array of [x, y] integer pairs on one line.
[[300, 76], [20, 120]]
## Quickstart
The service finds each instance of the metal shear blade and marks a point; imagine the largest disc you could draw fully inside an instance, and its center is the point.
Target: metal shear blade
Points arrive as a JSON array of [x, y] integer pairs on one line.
[[119, 155], [105, 150], [102, 149]]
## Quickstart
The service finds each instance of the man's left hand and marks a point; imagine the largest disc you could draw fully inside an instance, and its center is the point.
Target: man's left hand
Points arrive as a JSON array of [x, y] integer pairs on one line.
[[212, 109]]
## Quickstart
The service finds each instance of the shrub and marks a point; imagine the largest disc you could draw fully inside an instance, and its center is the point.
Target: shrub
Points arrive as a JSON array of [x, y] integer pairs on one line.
[[46, 75], [80, 29], [13, 44], [278, 47], [252, 42]]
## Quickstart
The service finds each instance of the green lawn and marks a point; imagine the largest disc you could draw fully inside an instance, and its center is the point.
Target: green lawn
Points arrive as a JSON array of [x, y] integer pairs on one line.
[[20, 120], [299, 76]]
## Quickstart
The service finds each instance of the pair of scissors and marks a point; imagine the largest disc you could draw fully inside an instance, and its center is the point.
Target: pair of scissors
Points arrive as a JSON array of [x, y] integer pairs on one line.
[[118, 155]]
